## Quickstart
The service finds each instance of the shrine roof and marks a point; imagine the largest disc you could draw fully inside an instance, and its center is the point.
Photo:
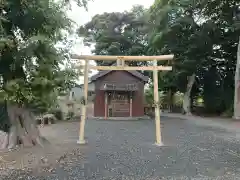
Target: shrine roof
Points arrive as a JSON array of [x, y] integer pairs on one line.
[[134, 73]]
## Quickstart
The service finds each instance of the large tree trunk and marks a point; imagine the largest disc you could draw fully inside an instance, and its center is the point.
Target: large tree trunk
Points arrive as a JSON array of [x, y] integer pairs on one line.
[[23, 130], [236, 113], [187, 95]]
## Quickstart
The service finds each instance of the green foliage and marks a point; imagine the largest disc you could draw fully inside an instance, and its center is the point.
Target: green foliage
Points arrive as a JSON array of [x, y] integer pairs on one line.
[[57, 113], [178, 99], [203, 36], [117, 33], [30, 60], [4, 119], [70, 115], [149, 97]]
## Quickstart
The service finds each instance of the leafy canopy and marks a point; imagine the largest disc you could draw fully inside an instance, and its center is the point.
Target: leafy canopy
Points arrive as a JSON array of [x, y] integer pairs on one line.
[[203, 36], [117, 33], [30, 61]]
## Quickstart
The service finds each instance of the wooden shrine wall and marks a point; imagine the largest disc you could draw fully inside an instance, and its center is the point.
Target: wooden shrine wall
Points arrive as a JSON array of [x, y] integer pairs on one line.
[[119, 77]]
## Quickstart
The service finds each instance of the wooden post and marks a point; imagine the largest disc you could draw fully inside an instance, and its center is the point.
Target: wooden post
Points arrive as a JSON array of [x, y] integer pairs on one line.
[[106, 105], [123, 62], [131, 101], [84, 106], [157, 109], [119, 62]]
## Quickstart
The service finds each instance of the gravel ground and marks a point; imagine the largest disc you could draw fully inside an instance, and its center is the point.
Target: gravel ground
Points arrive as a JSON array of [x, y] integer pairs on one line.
[[125, 150]]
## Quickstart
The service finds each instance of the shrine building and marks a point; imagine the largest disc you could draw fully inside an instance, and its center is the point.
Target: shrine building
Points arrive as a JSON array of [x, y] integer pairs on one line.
[[119, 93]]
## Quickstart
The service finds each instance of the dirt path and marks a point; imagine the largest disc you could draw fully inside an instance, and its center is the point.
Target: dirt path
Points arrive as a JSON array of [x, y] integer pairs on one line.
[[125, 150], [62, 139]]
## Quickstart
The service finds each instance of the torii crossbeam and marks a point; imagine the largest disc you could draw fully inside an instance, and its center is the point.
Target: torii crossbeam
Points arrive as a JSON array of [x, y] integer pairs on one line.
[[121, 66]]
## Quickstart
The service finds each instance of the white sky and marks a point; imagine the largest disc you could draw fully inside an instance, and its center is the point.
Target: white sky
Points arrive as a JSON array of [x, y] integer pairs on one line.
[[81, 16]]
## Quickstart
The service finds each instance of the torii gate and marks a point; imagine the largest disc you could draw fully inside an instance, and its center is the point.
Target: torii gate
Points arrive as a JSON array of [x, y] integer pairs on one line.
[[121, 66]]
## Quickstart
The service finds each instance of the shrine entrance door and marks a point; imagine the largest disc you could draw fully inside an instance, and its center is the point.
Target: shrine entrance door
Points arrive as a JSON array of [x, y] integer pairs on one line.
[[119, 104]]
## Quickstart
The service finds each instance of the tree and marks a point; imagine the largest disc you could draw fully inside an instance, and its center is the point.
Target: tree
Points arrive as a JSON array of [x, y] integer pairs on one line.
[[30, 64], [201, 34], [197, 33], [118, 33], [176, 32]]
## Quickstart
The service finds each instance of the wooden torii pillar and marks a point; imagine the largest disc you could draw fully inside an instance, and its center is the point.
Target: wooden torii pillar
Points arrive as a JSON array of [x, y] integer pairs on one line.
[[121, 66]]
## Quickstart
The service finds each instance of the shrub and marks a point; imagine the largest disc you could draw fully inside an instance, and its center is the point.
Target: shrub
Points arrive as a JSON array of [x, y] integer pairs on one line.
[[58, 114], [70, 115]]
